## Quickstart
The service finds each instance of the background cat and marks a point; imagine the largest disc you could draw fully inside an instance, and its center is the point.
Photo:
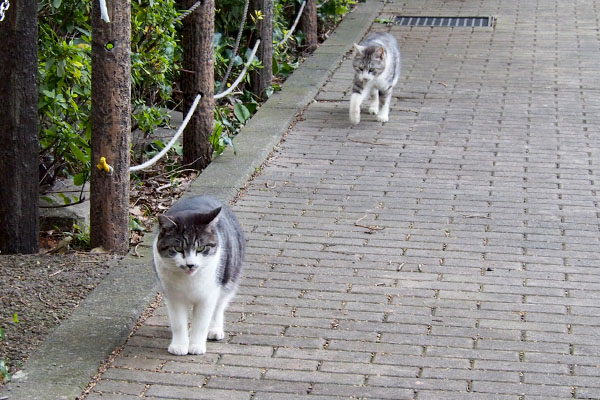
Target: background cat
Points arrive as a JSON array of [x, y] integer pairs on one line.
[[198, 256], [376, 71]]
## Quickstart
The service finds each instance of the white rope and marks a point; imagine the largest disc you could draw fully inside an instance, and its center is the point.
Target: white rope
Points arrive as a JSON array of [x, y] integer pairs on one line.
[[236, 47], [188, 12], [3, 9], [104, 11], [164, 151], [323, 3], [242, 74], [293, 28]]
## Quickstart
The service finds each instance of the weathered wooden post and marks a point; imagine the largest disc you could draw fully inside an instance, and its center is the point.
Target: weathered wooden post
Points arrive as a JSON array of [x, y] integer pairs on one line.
[[111, 126], [308, 25], [261, 79], [198, 77], [19, 174]]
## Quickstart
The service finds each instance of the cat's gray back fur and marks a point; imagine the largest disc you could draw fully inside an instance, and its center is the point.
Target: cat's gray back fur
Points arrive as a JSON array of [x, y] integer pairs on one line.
[[391, 46], [231, 235]]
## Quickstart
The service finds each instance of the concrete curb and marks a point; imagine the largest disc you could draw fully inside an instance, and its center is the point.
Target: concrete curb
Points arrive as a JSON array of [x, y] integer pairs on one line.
[[65, 362]]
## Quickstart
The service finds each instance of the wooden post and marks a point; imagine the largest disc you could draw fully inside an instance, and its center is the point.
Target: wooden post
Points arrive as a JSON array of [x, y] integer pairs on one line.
[[261, 79], [19, 174], [111, 126], [308, 25], [198, 77]]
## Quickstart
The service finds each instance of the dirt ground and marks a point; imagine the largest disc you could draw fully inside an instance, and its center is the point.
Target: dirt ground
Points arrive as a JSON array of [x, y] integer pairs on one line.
[[38, 291]]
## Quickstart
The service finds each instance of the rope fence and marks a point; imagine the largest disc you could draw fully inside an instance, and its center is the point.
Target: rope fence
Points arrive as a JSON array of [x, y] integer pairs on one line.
[[236, 47], [164, 151], [104, 11], [3, 9], [293, 28], [188, 12], [222, 93], [242, 74], [322, 4]]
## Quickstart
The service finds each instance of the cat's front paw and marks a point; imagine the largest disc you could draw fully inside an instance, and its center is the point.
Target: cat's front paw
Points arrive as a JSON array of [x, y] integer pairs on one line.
[[216, 334], [197, 348], [178, 349], [382, 118], [374, 109], [354, 118]]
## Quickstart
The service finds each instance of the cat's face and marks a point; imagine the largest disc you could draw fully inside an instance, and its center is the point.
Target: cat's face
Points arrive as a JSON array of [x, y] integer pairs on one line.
[[188, 241], [369, 62]]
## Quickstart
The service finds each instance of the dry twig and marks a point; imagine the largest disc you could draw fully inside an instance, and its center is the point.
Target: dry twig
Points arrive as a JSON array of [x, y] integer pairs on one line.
[[369, 227], [365, 142]]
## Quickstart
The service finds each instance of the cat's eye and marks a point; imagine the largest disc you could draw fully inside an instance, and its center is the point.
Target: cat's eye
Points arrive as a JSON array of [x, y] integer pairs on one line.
[[200, 249], [179, 249], [371, 70]]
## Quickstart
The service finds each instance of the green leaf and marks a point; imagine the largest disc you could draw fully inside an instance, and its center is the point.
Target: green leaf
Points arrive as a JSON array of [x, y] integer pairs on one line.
[[16, 318], [49, 93], [80, 178], [66, 199], [252, 107], [241, 112], [159, 144], [80, 155], [217, 38], [47, 199], [135, 225], [269, 91]]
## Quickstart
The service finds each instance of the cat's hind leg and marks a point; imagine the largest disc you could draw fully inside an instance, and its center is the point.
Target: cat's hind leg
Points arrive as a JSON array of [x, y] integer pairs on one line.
[[384, 102], [374, 107], [215, 330]]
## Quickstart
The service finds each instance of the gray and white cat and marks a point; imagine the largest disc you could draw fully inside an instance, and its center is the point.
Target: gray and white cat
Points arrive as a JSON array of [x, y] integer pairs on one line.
[[376, 71], [198, 256]]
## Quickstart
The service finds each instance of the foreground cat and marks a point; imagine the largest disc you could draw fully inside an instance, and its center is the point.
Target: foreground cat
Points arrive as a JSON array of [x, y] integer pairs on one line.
[[198, 256], [376, 72]]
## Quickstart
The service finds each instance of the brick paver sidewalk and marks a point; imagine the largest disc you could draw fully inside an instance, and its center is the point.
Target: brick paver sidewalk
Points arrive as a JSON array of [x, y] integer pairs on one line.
[[451, 253]]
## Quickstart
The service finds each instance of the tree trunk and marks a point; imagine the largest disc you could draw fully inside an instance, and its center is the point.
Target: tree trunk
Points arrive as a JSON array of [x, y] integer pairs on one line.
[[198, 78], [19, 173], [111, 126], [261, 79], [308, 25]]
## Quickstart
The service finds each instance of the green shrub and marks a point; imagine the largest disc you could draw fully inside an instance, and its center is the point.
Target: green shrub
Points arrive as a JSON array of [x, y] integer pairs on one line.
[[64, 43], [65, 72]]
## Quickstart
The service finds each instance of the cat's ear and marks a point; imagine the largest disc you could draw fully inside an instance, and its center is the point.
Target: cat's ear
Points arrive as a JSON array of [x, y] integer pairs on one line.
[[165, 223], [359, 49], [213, 216], [209, 218], [379, 53]]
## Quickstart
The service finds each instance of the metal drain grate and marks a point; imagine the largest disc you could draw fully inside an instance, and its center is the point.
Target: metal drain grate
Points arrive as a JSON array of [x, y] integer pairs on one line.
[[450, 22]]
